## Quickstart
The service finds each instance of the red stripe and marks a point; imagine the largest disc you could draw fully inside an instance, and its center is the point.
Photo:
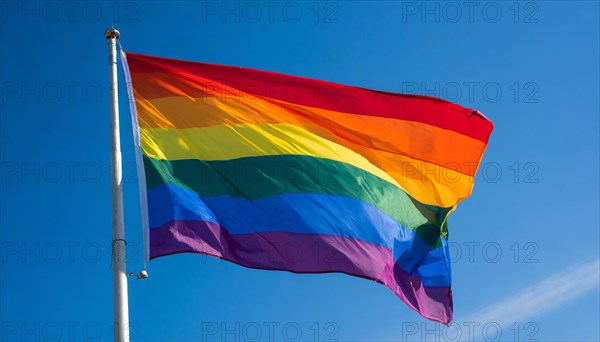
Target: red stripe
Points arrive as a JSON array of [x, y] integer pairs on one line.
[[321, 94]]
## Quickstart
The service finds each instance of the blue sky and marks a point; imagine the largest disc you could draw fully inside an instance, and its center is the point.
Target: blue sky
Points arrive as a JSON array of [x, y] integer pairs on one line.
[[525, 244]]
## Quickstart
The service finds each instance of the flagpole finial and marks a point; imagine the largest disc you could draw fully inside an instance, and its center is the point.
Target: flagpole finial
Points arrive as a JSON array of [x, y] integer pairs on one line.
[[112, 33]]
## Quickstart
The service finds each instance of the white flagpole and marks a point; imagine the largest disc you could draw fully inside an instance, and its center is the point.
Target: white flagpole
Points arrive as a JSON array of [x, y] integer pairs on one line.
[[121, 308]]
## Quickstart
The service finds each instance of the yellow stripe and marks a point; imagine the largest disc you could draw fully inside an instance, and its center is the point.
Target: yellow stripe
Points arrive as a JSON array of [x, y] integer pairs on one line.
[[425, 182], [413, 139], [225, 142]]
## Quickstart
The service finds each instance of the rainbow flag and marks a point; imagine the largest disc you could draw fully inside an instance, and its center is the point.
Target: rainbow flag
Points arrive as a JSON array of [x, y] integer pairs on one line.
[[278, 172]]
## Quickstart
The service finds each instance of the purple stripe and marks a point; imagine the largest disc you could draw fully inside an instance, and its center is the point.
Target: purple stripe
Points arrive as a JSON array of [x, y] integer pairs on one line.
[[303, 253]]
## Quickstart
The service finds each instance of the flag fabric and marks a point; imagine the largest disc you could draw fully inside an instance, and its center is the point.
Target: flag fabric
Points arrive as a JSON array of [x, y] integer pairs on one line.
[[278, 172]]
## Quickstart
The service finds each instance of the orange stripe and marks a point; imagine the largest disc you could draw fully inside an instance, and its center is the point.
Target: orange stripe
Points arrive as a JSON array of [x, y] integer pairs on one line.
[[379, 137]]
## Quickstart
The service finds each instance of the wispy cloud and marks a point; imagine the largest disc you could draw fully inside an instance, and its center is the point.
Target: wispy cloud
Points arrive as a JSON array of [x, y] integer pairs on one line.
[[542, 297]]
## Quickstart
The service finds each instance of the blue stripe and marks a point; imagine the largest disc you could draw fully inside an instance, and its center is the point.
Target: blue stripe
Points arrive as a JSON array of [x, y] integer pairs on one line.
[[169, 202], [304, 213]]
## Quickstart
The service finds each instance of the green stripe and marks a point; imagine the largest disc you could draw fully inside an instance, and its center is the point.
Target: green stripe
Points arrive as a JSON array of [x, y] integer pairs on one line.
[[265, 176]]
